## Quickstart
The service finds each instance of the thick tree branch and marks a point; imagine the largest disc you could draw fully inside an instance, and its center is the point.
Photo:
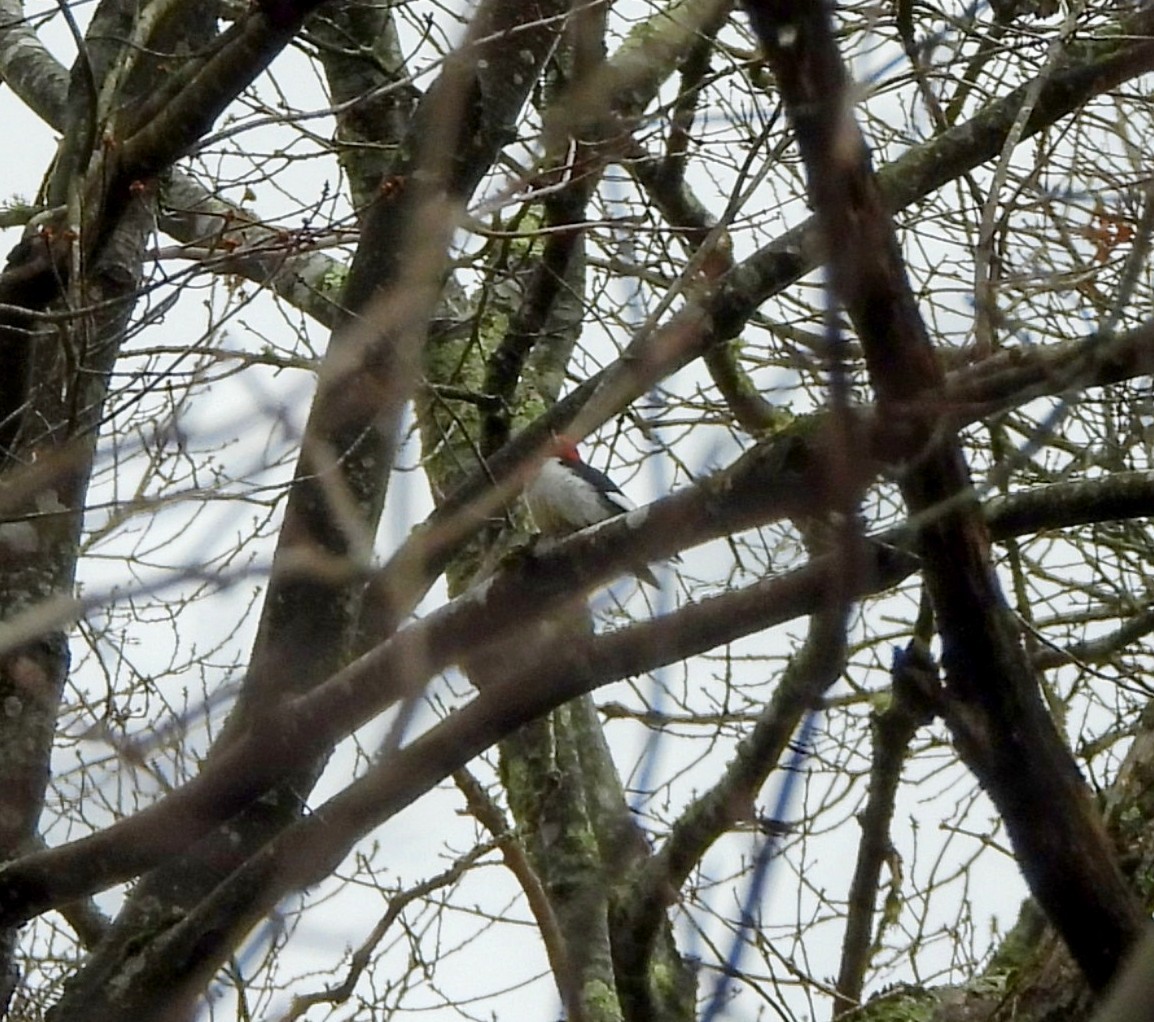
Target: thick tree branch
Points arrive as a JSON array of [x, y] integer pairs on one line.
[[723, 313], [310, 849], [371, 87], [27, 67], [175, 117], [371, 369], [37, 882], [993, 704]]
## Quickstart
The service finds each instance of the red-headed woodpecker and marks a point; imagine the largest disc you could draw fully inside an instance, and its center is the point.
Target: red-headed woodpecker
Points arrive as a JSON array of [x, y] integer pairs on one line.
[[569, 495]]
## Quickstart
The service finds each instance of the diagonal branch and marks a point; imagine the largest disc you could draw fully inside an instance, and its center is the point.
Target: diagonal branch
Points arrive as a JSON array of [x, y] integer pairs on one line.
[[992, 704], [37, 882], [27, 67], [371, 369], [723, 313], [188, 104]]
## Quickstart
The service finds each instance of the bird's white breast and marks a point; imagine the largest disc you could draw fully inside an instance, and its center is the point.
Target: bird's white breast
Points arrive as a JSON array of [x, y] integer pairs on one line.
[[561, 501]]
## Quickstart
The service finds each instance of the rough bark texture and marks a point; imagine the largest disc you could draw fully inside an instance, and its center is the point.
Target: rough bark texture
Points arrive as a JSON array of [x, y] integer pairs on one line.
[[310, 614], [55, 385]]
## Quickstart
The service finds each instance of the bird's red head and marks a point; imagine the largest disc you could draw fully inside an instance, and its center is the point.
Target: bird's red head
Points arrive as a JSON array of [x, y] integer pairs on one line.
[[565, 448]]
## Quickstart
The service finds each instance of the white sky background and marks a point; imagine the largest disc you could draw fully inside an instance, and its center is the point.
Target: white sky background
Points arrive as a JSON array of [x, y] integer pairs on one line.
[[424, 839]]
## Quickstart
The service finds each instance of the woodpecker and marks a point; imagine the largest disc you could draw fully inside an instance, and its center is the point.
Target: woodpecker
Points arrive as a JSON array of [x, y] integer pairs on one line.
[[567, 495]]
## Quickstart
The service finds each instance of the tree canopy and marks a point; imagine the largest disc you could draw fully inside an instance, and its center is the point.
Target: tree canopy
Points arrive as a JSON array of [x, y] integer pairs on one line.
[[300, 719]]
